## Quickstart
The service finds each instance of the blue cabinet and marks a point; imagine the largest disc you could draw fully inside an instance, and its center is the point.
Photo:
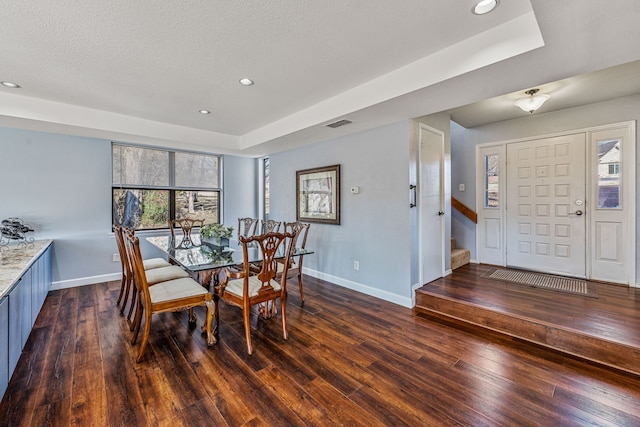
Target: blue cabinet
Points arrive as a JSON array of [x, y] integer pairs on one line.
[[4, 344], [18, 312]]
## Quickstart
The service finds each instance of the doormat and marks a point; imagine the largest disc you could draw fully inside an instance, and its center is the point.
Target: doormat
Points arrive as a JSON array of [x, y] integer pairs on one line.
[[545, 281]]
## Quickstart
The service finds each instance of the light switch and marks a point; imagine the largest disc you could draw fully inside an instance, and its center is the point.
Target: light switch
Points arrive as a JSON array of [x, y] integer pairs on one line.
[[461, 187], [355, 190]]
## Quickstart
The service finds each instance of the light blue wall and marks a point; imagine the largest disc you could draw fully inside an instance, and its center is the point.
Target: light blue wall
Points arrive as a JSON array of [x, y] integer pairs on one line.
[[464, 142], [374, 227], [61, 185]]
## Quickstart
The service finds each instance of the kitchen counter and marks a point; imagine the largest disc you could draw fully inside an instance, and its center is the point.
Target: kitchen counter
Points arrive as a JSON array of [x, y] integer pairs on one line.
[[15, 260]]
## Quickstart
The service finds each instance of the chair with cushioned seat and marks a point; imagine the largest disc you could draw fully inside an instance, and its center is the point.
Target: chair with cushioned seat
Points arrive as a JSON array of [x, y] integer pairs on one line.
[[247, 227], [186, 225], [245, 288], [125, 284], [270, 226], [158, 270], [165, 296], [300, 231]]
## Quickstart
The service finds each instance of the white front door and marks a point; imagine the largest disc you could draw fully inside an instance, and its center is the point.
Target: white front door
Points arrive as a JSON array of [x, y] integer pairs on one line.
[[546, 206], [431, 204]]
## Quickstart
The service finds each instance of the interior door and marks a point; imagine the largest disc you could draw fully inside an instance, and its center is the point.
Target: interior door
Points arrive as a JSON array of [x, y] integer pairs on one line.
[[431, 204], [546, 227]]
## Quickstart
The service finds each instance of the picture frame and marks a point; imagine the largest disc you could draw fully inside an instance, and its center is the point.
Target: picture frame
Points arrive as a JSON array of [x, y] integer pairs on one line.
[[318, 195]]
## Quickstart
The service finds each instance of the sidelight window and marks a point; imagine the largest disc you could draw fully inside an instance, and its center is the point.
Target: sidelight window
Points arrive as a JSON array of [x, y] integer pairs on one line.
[[609, 174], [491, 181]]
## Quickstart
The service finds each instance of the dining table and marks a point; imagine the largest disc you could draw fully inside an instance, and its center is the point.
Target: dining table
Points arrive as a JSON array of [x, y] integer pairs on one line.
[[204, 261]]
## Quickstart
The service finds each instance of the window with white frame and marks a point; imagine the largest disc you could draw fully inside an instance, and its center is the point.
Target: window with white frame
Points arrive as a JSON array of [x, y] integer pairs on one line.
[[265, 169], [151, 186], [491, 181]]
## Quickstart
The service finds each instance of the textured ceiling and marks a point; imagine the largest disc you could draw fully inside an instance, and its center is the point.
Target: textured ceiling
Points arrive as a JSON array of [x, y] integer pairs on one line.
[[140, 71]]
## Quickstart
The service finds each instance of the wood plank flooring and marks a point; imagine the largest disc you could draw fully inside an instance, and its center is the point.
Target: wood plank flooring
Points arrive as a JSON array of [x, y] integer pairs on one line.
[[350, 360], [603, 329]]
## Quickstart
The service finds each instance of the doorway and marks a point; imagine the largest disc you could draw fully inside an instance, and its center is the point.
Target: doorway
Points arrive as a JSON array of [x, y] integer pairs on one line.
[[431, 204], [546, 187]]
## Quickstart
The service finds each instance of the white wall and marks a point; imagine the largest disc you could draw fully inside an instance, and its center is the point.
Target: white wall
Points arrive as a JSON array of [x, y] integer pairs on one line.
[[464, 141], [374, 227], [61, 185]]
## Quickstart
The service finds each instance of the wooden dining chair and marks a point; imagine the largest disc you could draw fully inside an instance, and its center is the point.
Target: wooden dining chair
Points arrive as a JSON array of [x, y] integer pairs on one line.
[[158, 270], [247, 227], [270, 226], [166, 296], [125, 283], [186, 225], [245, 289], [300, 231]]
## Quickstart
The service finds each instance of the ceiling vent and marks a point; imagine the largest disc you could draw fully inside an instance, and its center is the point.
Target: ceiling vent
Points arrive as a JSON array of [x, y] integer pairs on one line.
[[339, 123]]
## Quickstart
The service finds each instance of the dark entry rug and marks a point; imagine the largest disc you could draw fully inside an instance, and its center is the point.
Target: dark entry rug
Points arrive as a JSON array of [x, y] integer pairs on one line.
[[545, 281]]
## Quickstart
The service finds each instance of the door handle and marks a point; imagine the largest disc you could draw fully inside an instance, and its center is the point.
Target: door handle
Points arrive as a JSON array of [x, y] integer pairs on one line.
[[440, 213], [577, 213]]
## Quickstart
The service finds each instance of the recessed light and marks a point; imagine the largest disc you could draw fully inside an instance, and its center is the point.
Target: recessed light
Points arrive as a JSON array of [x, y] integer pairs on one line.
[[484, 6], [9, 84], [246, 82], [205, 112]]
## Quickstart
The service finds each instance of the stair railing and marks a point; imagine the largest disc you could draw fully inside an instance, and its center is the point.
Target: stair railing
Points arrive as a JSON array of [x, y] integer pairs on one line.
[[464, 210]]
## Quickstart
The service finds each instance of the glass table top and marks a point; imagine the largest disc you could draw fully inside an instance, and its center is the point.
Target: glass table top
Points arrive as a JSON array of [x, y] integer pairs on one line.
[[201, 256]]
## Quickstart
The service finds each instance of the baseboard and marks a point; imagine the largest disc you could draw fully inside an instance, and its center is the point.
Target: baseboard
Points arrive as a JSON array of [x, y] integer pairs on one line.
[[368, 290], [82, 281]]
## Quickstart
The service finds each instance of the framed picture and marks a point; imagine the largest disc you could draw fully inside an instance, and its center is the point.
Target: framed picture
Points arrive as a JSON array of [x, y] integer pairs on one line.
[[318, 195]]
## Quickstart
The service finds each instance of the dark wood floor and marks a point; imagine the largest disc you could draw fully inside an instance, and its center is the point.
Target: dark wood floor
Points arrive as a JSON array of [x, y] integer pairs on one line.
[[350, 360], [605, 329]]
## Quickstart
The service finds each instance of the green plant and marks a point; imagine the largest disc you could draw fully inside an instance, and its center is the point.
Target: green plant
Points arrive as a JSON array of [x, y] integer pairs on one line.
[[216, 231]]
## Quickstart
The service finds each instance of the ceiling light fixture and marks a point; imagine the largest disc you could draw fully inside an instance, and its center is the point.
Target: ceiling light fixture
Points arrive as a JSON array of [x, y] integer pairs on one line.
[[10, 85], [246, 82], [205, 112], [533, 101], [484, 6]]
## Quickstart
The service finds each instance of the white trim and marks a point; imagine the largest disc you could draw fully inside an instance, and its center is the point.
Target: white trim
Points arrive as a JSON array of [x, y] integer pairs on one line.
[[82, 281], [404, 301], [555, 134], [423, 127], [630, 125]]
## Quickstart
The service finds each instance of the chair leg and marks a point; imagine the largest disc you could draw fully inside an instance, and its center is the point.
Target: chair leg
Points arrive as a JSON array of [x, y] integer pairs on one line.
[[122, 286], [247, 328], [145, 335], [300, 284], [134, 303], [283, 311], [127, 291], [136, 323], [211, 339], [192, 317], [216, 314]]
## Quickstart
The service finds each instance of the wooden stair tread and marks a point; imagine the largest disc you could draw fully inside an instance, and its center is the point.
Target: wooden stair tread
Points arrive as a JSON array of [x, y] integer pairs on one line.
[[589, 328]]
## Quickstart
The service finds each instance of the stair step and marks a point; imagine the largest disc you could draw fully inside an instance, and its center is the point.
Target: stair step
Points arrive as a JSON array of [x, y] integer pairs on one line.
[[564, 339], [460, 257]]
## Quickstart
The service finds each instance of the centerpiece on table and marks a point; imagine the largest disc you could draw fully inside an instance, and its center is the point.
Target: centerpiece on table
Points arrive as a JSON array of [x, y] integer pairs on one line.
[[216, 235]]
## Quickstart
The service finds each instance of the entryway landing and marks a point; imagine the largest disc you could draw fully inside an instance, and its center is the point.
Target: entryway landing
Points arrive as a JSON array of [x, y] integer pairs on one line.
[[604, 328]]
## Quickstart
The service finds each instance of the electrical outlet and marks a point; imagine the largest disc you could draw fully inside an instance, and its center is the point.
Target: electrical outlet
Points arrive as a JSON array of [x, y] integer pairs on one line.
[[356, 265], [115, 257]]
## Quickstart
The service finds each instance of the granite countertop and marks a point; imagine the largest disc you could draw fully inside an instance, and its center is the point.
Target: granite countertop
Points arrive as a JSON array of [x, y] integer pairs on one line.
[[15, 260]]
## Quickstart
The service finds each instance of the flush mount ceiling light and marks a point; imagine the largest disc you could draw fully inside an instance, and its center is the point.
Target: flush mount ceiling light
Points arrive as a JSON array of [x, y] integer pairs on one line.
[[484, 6], [205, 112], [246, 82], [533, 101], [10, 85]]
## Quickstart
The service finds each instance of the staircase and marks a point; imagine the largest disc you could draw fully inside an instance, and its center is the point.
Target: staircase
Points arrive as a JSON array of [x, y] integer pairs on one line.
[[459, 256]]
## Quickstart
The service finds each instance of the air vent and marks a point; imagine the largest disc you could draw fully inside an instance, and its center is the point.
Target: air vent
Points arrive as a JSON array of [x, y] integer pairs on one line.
[[339, 123]]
